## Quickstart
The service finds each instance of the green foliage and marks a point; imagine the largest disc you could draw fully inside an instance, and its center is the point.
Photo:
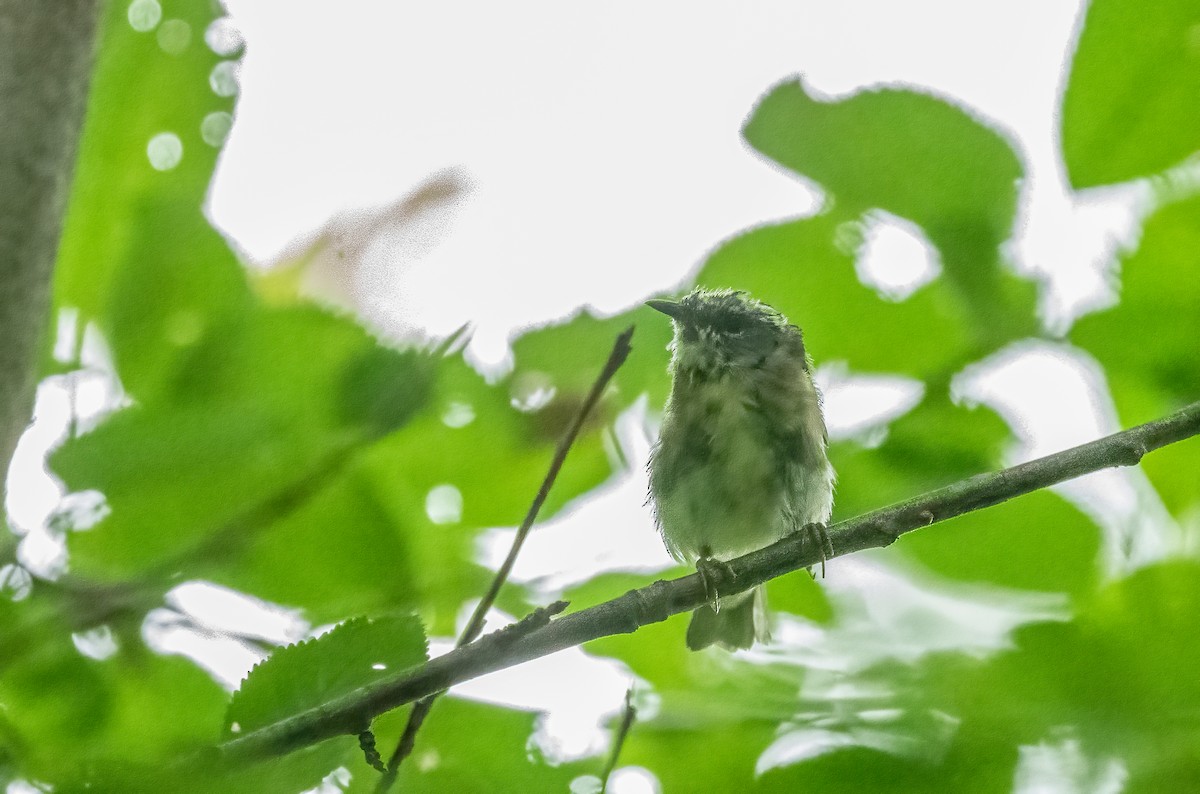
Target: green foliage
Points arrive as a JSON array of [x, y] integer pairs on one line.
[[1047, 545], [468, 746], [1129, 108], [281, 451], [797, 268], [1159, 301], [122, 209], [920, 158]]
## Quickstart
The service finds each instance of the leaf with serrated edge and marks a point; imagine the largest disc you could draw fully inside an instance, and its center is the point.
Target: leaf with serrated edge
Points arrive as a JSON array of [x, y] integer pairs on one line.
[[309, 673]]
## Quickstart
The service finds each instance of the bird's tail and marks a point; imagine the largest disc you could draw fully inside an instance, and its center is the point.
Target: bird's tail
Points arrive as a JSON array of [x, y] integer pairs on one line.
[[736, 623]]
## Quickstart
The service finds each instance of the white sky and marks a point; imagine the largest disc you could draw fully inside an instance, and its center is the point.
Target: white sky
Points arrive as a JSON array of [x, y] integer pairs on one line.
[[601, 140]]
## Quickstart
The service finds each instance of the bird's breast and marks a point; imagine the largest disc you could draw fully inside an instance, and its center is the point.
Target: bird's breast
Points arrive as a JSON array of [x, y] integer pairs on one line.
[[716, 483]]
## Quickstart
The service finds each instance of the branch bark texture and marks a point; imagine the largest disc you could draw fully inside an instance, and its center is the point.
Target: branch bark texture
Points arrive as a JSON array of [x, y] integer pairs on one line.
[[46, 54], [660, 600]]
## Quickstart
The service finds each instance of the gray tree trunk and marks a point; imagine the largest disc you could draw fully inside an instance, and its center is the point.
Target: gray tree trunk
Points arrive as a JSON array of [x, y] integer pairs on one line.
[[46, 49]]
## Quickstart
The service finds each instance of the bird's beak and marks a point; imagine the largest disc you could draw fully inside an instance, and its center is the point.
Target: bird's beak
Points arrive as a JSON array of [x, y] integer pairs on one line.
[[672, 309]]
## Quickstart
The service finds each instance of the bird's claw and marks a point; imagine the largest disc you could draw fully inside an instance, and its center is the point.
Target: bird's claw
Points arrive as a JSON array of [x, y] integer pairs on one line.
[[818, 534], [712, 572]]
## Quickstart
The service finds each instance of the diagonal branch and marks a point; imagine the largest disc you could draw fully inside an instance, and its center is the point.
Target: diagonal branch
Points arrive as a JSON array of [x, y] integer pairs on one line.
[[660, 600], [620, 352], [628, 715]]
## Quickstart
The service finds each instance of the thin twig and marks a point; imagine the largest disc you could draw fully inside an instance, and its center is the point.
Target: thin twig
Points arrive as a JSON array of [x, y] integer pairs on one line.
[[628, 715], [620, 352], [660, 600]]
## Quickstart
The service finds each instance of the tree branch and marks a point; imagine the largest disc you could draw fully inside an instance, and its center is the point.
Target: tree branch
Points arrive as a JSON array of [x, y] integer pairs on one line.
[[628, 715], [660, 600], [45, 65]]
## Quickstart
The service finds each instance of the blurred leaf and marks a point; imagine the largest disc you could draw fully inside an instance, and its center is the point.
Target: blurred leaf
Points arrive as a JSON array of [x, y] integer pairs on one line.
[[920, 158], [1148, 340], [719, 758], [572, 353], [302, 770], [173, 295], [321, 368], [121, 208], [800, 594], [257, 419], [1115, 678], [498, 437], [310, 673], [340, 554], [55, 697], [1038, 542], [698, 690], [383, 388], [468, 746], [66, 711], [713, 713], [797, 268], [176, 478], [162, 707], [1129, 106], [1147, 343], [935, 444], [857, 769], [494, 457]]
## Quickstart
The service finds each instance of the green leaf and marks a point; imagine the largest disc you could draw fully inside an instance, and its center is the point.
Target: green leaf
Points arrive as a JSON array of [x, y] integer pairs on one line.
[[720, 758], [797, 268], [800, 594], [54, 696], [313, 672], [437, 450], [919, 158], [935, 444], [302, 770], [1147, 343], [173, 479], [162, 706], [1112, 681], [1159, 300], [469, 433], [714, 713], [1115, 678], [121, 208], [250, 424], [857, 769], [698, 691], [571, 354], [1038, 542], [176, 292], [467, 746], [340, 554], [1129, 109]]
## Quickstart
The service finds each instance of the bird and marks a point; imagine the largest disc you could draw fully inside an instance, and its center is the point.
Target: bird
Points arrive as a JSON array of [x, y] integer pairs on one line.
[[741, 459]]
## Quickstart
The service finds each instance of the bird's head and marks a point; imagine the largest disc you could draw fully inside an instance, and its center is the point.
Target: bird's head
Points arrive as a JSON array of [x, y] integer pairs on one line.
[[723, 330]]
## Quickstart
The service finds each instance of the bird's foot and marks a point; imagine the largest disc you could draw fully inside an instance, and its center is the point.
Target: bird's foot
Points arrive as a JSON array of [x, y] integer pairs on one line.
[[713, 572], [818, 534]]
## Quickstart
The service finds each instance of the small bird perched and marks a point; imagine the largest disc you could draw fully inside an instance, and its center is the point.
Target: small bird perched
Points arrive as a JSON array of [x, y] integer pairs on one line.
[[741, 459]]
